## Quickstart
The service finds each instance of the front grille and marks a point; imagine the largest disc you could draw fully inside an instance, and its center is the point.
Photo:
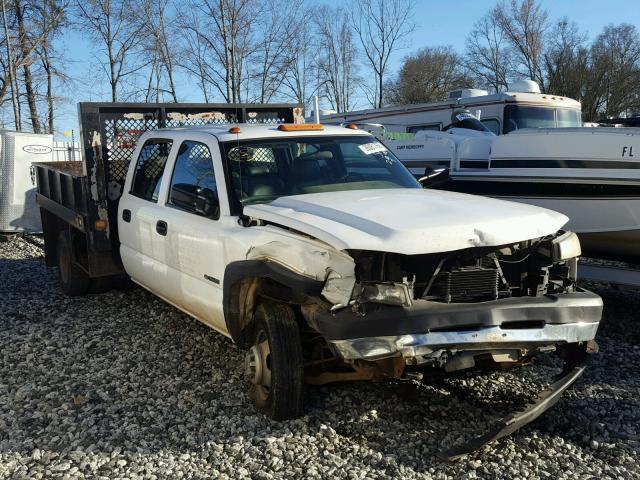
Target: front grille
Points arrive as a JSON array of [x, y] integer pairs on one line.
[[465, 284]]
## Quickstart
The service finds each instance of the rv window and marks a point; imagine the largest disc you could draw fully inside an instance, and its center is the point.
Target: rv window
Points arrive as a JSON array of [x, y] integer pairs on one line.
[[492, 124], [517, 117], [429, 126], [569, 118]]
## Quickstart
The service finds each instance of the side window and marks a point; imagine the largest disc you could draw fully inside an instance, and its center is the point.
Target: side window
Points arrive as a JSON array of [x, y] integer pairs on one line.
[[193, 183], [492, 124], [147, 175]]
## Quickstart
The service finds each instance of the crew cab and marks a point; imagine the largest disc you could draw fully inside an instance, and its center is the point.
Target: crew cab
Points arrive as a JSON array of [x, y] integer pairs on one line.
[[317, 252]]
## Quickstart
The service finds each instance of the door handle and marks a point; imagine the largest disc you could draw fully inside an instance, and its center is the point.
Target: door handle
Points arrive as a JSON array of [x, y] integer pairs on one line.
[[126, 215], [161, 227]]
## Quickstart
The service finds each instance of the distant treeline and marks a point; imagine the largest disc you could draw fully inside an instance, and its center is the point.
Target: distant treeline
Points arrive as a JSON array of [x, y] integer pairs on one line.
[[519, 39]]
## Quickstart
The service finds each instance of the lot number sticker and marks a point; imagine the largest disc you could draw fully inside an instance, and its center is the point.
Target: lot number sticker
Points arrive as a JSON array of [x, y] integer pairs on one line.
[[373, 147]]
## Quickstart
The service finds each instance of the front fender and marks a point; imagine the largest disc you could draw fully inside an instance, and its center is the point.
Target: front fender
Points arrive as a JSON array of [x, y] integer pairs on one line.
[[239, 287]]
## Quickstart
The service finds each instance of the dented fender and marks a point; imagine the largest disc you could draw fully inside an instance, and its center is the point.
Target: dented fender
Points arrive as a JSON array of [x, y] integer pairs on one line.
[[334, 268], [306, 267]]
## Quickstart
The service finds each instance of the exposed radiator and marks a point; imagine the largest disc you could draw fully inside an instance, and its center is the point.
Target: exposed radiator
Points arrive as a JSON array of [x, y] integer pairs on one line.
[[465, 284]]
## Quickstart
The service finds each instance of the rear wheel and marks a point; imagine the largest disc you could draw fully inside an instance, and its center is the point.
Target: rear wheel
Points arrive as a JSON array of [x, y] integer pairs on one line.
[[274, 364], [73, 280]]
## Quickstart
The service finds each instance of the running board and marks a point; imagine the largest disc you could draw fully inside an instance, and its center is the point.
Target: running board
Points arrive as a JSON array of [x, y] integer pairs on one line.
[[602, 273], [545, 400]]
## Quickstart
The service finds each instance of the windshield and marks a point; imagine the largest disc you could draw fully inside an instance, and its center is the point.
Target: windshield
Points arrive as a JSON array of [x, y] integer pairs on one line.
[[263, 170], [517, 117]]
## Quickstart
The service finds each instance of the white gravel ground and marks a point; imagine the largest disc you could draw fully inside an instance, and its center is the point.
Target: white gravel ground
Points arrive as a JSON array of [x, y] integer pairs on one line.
[[121, 385]]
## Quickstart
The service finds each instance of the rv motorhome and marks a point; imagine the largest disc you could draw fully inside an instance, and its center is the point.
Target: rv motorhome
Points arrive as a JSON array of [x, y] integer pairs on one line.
[[523, 106]]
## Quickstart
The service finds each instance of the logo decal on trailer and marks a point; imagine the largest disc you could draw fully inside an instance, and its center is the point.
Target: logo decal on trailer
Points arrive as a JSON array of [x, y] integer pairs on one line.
[[37, 149]]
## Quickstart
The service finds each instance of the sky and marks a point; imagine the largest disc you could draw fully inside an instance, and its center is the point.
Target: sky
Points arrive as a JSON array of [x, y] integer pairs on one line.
[[437, 23]]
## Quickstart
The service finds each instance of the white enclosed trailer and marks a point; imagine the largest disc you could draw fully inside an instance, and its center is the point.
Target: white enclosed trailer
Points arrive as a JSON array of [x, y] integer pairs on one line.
[[18, 150]]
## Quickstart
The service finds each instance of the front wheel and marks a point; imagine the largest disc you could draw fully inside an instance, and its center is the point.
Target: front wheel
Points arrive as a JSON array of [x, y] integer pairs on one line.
[[274, 364]]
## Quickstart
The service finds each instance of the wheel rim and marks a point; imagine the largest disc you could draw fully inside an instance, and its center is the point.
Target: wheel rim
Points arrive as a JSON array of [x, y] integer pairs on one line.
[[258, 365]]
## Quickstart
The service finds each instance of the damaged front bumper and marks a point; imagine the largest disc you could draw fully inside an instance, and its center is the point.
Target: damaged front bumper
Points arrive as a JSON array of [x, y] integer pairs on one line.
[[576, 359], [427, 328]]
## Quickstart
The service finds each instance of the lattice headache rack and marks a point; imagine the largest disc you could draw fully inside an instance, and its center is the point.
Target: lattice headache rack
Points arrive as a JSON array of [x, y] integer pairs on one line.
[[110, 131]]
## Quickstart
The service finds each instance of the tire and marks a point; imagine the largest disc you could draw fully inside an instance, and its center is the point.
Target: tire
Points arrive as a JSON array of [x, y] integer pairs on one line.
[[276, 325], [73, 280]]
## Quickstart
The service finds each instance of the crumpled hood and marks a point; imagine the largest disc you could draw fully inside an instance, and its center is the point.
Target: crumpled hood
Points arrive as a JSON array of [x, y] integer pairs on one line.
[[408, 221]]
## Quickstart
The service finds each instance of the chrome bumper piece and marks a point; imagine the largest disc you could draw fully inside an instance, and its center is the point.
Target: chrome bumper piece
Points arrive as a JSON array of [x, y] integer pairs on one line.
[[488, 338]]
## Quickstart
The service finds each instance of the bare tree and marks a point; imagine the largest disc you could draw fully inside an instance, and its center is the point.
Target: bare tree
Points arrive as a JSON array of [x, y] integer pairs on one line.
[[487, 55], [381, 26], [221, 32], [11, 69], [566, 60], [428, 76], [26, 47], [50, 18], [110, 23], [153, 18], [277, 29], [524, 24], [614, 78], [28, 26], [300, 82], [193, 52], [337, 62]]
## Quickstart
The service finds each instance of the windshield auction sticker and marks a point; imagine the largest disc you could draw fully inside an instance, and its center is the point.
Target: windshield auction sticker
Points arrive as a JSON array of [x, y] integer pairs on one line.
[[373, 147]]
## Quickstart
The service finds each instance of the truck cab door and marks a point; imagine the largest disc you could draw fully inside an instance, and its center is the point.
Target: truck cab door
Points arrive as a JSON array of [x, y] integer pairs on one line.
[[141, 228], [196, 258]]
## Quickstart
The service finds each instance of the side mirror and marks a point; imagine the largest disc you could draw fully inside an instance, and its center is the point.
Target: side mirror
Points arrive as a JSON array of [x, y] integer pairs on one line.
[[207, 203], [202, 201]]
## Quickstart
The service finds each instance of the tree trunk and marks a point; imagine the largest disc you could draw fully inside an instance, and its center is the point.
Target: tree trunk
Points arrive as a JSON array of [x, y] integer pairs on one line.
[[113, 79], [12, 72], [380, 77], [26, 70], [47, 68]]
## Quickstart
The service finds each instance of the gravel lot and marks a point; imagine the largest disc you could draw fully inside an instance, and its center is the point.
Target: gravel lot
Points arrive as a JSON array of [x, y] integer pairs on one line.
[[121, 385]]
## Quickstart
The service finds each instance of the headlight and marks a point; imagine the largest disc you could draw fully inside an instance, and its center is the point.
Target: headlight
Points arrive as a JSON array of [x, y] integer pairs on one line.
[[565, 246], [387, 293]]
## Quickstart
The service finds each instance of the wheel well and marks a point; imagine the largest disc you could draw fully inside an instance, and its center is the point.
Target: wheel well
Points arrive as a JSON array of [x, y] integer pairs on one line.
[[51, 228], [245, 283]]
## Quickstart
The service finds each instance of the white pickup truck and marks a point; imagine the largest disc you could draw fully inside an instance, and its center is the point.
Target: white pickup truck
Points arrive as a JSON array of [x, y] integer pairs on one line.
[[315, 250]]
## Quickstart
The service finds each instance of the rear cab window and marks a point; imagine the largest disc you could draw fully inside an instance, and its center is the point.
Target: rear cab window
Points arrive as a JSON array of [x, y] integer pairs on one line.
[[150, 164]]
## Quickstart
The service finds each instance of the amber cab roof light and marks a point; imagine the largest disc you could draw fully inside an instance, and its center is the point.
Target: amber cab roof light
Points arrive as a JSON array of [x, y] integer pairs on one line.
[[352, 126], [299, 127], [234, 130]]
